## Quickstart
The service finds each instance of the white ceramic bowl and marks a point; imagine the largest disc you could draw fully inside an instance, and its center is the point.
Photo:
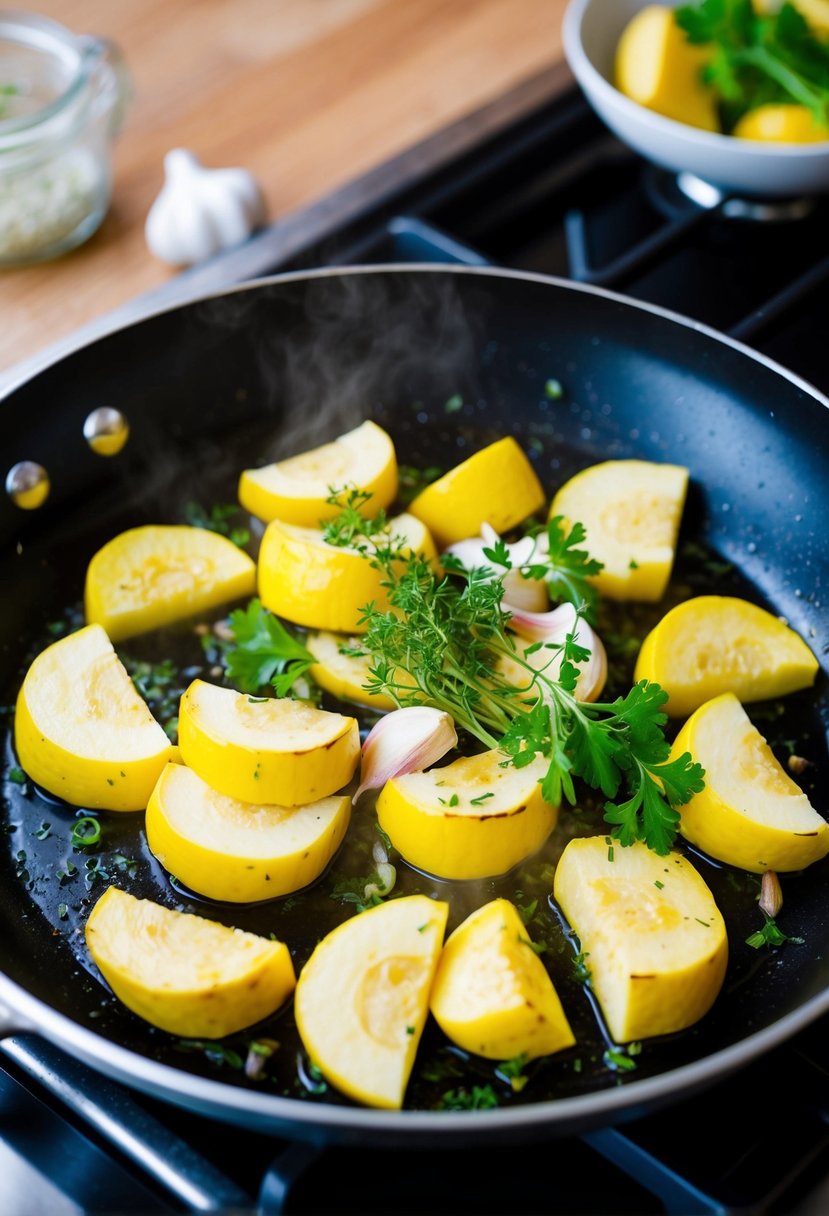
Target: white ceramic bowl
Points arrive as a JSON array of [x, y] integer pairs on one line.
[[591, 31]]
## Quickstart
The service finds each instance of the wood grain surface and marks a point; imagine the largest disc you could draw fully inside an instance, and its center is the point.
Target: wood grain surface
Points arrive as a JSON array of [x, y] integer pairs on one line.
[[307, 94]]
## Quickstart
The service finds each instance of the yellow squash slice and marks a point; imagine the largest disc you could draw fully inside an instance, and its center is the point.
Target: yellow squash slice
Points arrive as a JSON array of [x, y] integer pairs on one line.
[[653, 938], [159, 574], [343, 675], [631, 510], [82, 731], [470, 819], [714, 644], [791, 124], [750, 813], [492, 994], [296, 490], [237, 851], [363, 997], [273, 750], [189, 976], [497, 486], [658, 67], [305, 580]]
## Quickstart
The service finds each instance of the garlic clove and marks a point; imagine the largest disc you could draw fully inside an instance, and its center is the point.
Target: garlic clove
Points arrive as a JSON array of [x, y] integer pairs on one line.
[[771, 894], [404, 741], [552, 628], [200, 211], [528, 593]]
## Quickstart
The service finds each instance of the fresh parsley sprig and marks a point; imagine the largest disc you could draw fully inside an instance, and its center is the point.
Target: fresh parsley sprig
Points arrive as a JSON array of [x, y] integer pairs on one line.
[[557, 560], [759, 58], [264, 652]]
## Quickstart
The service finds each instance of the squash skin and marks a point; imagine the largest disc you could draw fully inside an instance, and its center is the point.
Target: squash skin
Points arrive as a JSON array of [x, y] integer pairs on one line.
[[187, 975], [750, 813], [297, 490], [376, 971], [492, 994], [496, 485], [235, 851], [657, 954], [465, 840], [82, 731], [156, 575], [714, 644], [263, 751]]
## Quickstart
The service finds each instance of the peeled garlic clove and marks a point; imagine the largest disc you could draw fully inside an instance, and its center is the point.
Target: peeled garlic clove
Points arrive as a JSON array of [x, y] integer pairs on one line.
[[528, 593], [542, 626], [404, 741], [552, 628], [201, 211]]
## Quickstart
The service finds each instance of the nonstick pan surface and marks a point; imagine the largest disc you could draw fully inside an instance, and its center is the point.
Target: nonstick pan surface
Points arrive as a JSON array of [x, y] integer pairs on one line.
[[447, 359]]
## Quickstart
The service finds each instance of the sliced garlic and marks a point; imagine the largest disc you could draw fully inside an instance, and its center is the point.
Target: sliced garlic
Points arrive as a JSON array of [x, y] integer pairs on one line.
[[404, 741], [771, 894], [201, 211], [551, 628], [528, 593]]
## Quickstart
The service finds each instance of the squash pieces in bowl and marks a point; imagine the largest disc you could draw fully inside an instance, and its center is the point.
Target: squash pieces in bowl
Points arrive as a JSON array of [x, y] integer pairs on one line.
[[642, 77]]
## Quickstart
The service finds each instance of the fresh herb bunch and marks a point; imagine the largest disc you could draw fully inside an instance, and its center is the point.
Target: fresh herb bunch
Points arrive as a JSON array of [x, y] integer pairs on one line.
[[759, 58], [449, 633]]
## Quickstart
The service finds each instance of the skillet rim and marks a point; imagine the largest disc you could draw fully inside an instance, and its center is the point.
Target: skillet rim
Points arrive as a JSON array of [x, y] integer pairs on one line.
[[306, 1119]]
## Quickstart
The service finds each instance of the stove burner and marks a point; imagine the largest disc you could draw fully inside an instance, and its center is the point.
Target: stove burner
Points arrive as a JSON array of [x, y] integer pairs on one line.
[[759, 210]]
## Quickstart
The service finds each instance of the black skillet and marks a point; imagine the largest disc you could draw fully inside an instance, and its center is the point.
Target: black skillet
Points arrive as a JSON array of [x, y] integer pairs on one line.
[[236, 379]]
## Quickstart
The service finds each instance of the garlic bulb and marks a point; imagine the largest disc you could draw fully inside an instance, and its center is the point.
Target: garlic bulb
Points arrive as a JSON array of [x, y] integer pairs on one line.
[[201, 211]]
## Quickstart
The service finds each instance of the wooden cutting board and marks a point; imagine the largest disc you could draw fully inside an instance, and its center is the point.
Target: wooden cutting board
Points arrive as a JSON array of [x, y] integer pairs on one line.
[[306, 94]]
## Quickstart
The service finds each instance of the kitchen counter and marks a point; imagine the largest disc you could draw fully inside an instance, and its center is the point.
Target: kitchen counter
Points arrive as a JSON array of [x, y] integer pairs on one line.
[[307, 94]]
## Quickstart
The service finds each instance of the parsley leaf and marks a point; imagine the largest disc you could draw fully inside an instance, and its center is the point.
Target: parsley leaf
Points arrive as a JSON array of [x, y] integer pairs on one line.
[[771, 935], [758, 58], [570, 568], [264, 652]]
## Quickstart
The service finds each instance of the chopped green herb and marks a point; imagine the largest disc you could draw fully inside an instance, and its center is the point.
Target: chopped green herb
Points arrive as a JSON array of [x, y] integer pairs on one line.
[[617, 1059], [658, 884], [413, 480], [580, 968], [44, 831], [214, 1052], [482, 798], [63, 911], [513, 1072], [771, 935], [85, 832], [17, 776], [453, 801], [217, 519], [410, 1030], [479, 1097]]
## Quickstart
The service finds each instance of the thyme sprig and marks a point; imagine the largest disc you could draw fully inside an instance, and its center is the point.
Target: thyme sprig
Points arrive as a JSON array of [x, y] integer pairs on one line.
[[448, 632]]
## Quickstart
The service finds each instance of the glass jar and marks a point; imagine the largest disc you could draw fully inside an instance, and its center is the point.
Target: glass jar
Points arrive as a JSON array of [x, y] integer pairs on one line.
[[62, 99]]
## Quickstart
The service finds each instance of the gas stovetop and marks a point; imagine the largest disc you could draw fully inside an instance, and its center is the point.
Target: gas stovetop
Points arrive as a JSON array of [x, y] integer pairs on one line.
[[535, 183]]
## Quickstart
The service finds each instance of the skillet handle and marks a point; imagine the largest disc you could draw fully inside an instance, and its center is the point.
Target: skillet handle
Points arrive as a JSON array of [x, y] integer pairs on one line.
[[12, 1023]]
